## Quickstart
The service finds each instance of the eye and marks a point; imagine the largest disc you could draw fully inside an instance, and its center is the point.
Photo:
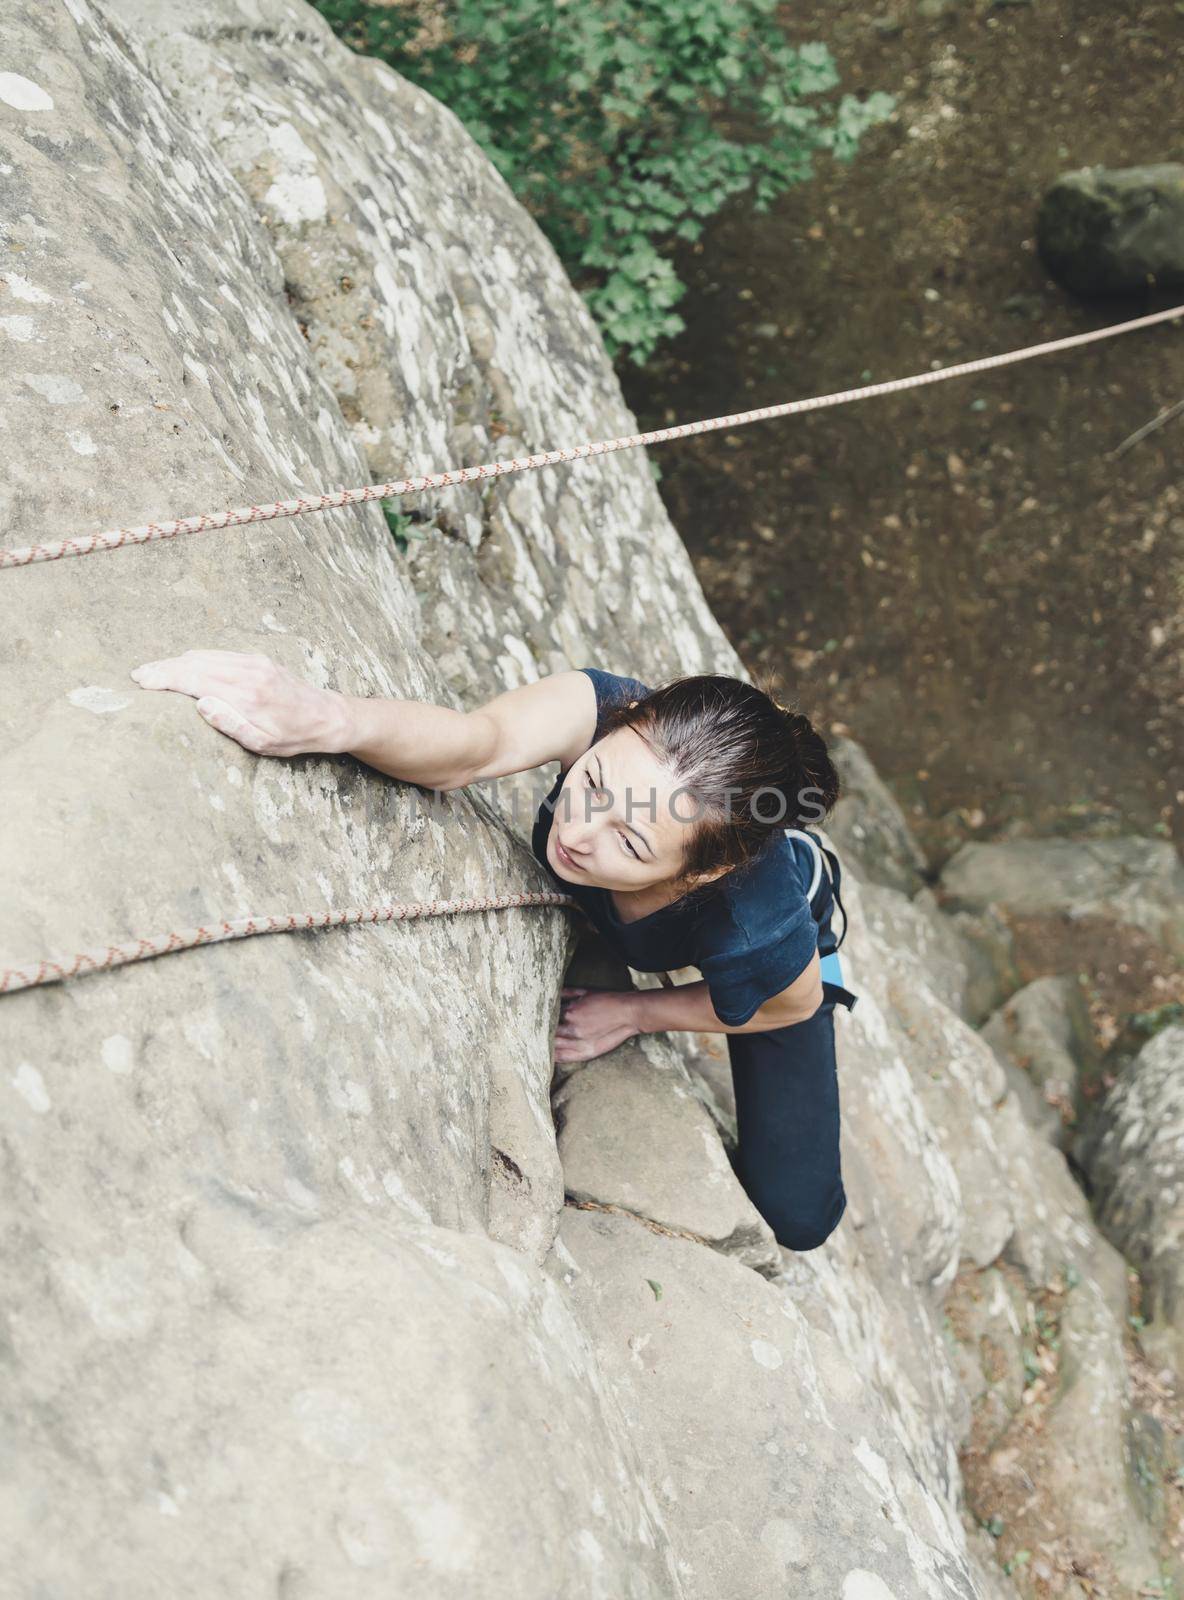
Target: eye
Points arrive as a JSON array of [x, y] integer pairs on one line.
[[625, 840]]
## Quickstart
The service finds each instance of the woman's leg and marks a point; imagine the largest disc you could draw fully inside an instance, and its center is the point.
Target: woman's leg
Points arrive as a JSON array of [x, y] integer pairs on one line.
[[787, 1118]]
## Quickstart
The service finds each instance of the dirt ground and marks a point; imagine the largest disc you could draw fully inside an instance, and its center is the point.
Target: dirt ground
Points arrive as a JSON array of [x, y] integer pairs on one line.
[[964, 578]]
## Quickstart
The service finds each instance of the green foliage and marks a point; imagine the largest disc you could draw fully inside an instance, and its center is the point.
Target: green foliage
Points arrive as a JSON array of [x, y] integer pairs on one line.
[[1165, 1583], [625, 124], [401, 523], [1159, 1017]]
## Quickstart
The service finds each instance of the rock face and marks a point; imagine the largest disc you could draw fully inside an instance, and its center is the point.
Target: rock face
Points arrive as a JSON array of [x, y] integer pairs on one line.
[[1042, 1036], [869, 825], [1134, 1153], [1114, 231], [294, 1301], [1136, 883]]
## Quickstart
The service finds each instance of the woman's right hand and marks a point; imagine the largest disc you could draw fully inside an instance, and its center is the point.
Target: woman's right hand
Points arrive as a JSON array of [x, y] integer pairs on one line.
[[255, 701]]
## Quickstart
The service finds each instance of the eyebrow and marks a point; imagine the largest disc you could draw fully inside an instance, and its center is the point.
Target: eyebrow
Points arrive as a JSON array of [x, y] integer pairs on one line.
[[628, 825]]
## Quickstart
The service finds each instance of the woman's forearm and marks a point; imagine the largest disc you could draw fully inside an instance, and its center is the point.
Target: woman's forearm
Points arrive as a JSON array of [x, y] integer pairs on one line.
[[688, 1006], [433, 746]]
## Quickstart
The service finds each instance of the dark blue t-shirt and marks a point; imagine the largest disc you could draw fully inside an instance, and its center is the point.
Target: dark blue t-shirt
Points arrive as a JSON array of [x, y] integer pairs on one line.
[[750, 940]]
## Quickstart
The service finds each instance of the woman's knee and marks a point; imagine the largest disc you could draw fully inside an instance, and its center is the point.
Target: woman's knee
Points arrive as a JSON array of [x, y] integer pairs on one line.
[[805, 1227]]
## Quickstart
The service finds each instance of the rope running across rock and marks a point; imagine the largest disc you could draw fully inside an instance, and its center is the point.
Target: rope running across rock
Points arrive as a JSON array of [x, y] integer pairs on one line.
[[32, 974], [151, 532], [35, 973]]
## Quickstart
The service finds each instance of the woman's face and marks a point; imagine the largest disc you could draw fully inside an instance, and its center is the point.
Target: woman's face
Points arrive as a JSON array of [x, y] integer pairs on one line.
[[620, 818]]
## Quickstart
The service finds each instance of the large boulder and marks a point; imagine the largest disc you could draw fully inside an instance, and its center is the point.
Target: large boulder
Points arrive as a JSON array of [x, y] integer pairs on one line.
[[1043, 1037], [298, 1301], [634, 1138], [870, 826], [1133, 1151], [710, 1363], [952, 961], [1120, 230], [275, 1211], [1132, 882]]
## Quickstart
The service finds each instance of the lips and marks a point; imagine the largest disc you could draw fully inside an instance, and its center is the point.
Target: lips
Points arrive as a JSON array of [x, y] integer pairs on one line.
[[565, 859]]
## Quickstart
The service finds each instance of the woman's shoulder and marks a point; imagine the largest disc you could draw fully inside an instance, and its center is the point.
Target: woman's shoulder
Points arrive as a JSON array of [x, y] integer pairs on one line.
[[612, 689], [766, 938], [759, 904]]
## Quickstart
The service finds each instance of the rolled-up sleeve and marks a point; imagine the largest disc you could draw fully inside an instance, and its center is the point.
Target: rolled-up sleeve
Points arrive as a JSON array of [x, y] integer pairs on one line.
[[612, 689], [740, 980]]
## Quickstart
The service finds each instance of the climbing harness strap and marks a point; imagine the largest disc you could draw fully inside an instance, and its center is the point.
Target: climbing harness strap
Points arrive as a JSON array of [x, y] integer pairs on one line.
[[821, 895]]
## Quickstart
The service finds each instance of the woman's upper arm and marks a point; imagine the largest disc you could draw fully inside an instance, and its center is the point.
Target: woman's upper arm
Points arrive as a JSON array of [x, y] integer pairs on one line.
[[553, 719], [780, 976]]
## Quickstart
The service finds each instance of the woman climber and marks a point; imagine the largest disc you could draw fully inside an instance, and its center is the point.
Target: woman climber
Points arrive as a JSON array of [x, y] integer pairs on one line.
[[674, 823]]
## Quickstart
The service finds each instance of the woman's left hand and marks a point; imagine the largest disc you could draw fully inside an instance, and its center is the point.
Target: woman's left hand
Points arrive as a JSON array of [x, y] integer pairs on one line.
[[592, 1022], [255, 701]]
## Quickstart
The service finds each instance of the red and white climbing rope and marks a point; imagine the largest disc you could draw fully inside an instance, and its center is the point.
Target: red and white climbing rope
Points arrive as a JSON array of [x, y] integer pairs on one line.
[[150, 532], [33, 974]]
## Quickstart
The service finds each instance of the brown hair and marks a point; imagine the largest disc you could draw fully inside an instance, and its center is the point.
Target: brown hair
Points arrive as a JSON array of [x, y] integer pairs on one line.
[[744, 766]]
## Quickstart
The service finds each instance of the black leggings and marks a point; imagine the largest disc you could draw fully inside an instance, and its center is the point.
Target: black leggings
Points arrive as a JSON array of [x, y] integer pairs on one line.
[[787, 1104], [787, 1119]]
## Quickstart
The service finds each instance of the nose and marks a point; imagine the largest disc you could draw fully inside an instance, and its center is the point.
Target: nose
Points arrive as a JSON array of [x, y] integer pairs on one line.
[[576, 841]]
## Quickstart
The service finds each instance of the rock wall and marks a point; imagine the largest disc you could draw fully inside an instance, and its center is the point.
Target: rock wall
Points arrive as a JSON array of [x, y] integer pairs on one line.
[[1133, 1149], [294, 1299]]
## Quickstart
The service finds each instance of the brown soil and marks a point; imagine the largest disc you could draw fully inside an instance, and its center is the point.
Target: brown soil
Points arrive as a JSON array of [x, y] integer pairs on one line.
[[1125, 975], [964, 578]]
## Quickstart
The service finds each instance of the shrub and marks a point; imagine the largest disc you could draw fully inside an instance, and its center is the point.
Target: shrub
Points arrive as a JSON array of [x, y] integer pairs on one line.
[[623, 125]]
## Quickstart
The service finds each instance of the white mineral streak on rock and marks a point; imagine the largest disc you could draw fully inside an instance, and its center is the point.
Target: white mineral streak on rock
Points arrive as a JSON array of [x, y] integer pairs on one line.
[[22, 94], [55, 387], [21, 330], [860, 1584], [766, 1354], [95, 697], [30, 1085], [21, 289], [297, 194], [117, 1054]]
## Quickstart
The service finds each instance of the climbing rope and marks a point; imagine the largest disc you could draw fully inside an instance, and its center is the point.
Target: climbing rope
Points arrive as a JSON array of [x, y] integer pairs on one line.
[[150, 532], [33, 974]]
